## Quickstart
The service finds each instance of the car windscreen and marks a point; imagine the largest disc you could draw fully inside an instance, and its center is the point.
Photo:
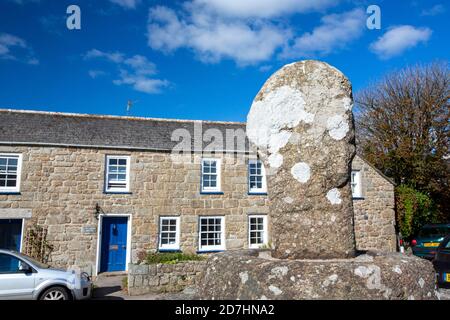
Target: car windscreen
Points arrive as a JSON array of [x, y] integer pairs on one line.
[[34, 261], [434, 232]]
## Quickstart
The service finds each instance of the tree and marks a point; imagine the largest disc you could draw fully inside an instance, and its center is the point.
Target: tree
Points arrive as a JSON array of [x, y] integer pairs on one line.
[[402, 126]]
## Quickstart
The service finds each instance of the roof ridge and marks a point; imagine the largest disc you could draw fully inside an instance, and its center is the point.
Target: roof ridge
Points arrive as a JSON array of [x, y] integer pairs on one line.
[[101, 116]]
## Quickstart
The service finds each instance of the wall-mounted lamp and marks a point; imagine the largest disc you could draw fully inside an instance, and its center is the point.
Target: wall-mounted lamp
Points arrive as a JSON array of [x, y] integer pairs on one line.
[[98, 210]]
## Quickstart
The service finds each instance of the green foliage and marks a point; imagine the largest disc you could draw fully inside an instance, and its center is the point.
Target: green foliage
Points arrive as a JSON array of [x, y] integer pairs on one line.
[[414, 209], [171, 257], [125, 283]]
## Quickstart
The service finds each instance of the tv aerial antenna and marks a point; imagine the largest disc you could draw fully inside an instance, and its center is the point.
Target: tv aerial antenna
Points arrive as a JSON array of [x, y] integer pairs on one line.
[[130, 104]]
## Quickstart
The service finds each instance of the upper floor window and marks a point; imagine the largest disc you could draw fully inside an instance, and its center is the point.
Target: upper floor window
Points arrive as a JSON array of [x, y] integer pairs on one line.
[[212, 233], [211, 175], [117, 174], [257, 228], [356, 184], [256, 177], [169, 233], [10, 169]]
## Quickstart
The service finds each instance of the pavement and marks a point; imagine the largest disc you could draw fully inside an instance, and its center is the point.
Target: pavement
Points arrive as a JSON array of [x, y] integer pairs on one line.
[[109, 287]]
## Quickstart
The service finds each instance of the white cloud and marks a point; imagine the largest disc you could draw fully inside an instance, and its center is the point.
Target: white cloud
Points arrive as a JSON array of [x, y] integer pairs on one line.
[[434, 10], [141, 83], [249, 32], [115, 57], [17, 49], [398, 39], [335, 32], [128, 4], [134, 71], [265, 68], [214, 38], [261, 8], [96, 73]]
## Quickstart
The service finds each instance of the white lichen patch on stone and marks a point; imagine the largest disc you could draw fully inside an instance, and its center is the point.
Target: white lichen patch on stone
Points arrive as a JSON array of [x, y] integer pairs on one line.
[[373, 275], [347, 103], [276, 291], [301, 172], [333, 277], [397, 269], [337, 127], [288, 200], [334, 196], [421, 282], [279, 272], [280, 109], [278, 140], [243, 276], [330, 280], [363, 271], [275, 160]]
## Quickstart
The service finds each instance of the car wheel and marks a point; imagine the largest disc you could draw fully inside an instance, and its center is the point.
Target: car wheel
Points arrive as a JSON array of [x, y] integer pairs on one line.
[[55, 293]]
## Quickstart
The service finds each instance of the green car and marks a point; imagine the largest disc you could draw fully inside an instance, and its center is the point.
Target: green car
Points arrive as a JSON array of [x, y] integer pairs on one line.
[[429, 239]]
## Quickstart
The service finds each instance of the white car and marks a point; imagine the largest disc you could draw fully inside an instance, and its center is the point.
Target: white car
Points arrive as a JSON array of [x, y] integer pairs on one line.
[[24, 278]]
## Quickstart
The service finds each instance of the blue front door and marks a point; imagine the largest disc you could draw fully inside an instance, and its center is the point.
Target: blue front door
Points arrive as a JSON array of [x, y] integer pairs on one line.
[[114, 244], [10, 234]]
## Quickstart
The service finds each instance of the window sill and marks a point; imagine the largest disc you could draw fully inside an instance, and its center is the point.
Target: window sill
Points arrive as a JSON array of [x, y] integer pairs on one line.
[[358, 198], [13, 193], [117, 192], [257, 193], [210, 251], [211, 192], [169, 250]]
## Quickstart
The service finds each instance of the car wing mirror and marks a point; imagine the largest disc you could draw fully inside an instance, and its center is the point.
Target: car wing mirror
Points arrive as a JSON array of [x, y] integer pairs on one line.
[[25, 268]]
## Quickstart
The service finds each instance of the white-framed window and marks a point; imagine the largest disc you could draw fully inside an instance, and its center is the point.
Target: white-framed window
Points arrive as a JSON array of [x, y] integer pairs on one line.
[[211, 175], [356, 184], [256, 177], [169, 233], [117, 174], [257, 231], [211, 233], [10, 171]]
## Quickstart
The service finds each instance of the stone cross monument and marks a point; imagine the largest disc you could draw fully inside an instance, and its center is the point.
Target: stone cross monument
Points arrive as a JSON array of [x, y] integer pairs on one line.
[[301, 123]]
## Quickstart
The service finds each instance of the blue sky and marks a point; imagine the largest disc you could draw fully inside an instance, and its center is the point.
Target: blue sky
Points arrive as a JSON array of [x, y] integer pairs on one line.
[[198, 59]]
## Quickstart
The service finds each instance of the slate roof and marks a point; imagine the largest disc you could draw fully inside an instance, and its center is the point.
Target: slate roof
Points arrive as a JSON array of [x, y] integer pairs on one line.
[[25, 127], [84, 130]]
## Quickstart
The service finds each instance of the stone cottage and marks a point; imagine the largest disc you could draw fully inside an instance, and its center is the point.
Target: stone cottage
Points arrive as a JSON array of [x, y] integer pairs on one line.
[[107, 189]]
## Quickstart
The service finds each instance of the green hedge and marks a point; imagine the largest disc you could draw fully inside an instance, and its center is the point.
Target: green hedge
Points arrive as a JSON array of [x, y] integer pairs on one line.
[[171, 257], [414, 209]]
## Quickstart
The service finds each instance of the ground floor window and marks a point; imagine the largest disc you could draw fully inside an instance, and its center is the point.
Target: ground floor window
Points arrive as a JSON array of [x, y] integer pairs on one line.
[[169, 233], [257, 227], [212, 233], [11, 234]]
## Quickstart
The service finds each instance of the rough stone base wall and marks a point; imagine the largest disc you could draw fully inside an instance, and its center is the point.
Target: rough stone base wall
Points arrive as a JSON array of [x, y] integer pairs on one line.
[[247, 275], [144, 279], [374, 211]]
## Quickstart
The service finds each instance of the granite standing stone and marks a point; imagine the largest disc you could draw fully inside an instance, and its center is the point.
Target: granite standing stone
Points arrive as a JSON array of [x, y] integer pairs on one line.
[[301, 122]]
